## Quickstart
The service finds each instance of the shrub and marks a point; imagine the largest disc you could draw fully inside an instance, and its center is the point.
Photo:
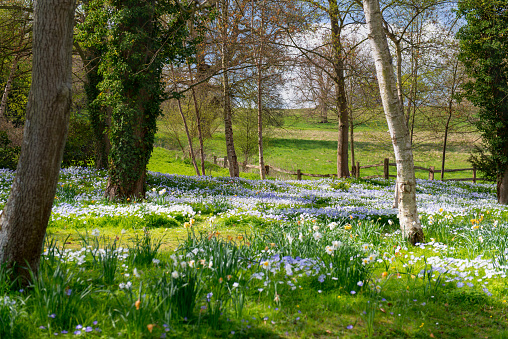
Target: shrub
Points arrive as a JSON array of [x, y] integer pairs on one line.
[[9, 153], [79, 148]]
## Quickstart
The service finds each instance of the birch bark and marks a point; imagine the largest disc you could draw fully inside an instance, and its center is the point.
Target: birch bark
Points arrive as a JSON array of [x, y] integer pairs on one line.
[[406, 182]]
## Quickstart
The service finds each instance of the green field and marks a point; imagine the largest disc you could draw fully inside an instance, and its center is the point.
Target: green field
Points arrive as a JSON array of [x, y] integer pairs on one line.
[[303, 143]]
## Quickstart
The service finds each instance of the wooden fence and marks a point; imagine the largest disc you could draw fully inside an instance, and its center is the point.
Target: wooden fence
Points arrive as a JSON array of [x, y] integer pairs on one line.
[[356, 170]]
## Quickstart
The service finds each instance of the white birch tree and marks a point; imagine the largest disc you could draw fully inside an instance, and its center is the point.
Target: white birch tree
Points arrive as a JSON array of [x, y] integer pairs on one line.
[[406, 181]]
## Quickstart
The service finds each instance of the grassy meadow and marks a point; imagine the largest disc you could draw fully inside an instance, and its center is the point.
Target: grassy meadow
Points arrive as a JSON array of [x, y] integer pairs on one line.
[[303, 143], [215, 257]]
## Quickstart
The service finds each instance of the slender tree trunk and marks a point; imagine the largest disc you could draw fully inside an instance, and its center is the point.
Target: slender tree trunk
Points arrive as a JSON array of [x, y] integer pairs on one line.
[[450, 112], [8, 86], [352, 140], [414, 89], [259, 61], [14, 134], [25, 217], [262, 172], [198, 121], [445, 139], [406, 182], [234, 171], [341, 99], [189, 139]]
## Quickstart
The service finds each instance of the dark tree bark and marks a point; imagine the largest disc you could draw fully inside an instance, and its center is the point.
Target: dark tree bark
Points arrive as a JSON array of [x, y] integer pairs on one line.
[[198, 122], [234, 170], [341, 98], [25, 217], [502, 188]]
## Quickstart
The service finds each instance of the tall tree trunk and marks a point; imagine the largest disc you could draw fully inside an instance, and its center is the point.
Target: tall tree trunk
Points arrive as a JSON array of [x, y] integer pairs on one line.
[[450, 112], [25, 217], [341, 99], [8, 86], [414, 90], [406, 182], [351, 136], [189, 138], [228, 129], [14, 134], [445, 139], [234, 170], [186, 127], [259, 63], [136, 102], [262, 171], [198, 121]]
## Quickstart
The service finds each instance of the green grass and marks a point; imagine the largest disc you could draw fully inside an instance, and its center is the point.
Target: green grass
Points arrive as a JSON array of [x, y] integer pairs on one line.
[[305, 144], [168, 161], [91, 258]]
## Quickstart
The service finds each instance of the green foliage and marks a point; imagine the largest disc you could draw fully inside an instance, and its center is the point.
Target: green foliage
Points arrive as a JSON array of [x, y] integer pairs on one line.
[[10, 312], [341, 185], [9, 153], [137, 46], [484, 50], [484, 162], [18, 98], [145, 249], [79, 148]]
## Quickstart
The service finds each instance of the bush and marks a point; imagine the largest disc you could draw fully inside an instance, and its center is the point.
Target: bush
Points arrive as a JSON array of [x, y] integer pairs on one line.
[[9, 153], [79, 148]]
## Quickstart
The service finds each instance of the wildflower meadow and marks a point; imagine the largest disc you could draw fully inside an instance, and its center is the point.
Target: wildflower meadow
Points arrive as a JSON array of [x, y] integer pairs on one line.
[[215, 257]]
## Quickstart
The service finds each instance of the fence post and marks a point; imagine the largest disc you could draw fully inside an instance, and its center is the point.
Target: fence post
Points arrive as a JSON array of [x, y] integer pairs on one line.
[[267, 169], [215, 160], [357, 172], [298, 174], [386, 168], [225, 162], [431, 173], [474, 175]]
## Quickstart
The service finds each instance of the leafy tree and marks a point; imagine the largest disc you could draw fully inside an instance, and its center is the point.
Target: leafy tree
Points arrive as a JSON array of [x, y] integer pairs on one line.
[[484, 51], [142, 36]]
